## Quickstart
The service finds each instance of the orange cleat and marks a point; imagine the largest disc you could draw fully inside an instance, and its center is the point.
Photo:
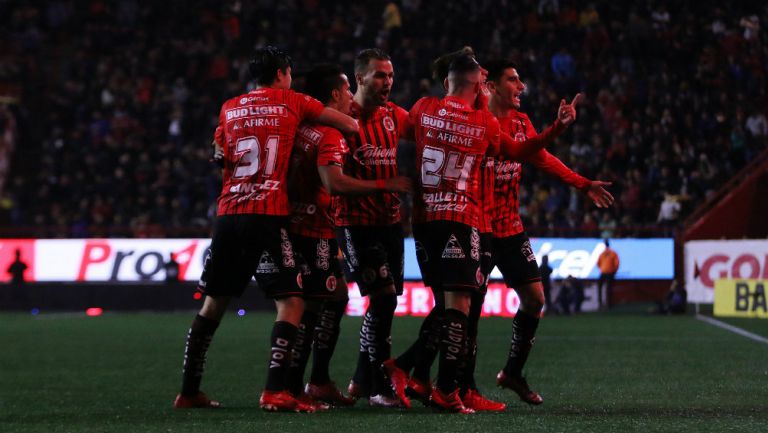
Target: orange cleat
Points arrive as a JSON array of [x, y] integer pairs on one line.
[[450, 402], [282, 401], [357, 390], [398, 379], [474, 400], [319, 406], [329, 394], [199, 401], [519, 385]]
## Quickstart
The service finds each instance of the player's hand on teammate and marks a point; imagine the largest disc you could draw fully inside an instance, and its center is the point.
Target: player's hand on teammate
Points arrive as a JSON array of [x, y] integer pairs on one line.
[[598, 194], [399, 184], [566, 113], [217, 157]]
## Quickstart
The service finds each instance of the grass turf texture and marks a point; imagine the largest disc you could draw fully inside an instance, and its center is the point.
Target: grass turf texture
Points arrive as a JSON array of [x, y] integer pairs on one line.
[[597, 373]]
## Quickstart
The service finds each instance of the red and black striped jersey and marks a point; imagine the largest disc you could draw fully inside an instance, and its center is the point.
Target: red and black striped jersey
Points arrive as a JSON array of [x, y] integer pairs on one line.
[[311, 204], [452, 139], [373, 155], [506, 206], [256, 132]]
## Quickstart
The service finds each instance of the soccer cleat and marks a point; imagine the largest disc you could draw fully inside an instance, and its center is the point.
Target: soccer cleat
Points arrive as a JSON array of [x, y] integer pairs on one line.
[[358, 390], [319, 406], [419, 390], [474, 400], [450, 402], [382, 400], [199, 401], [282, 401], [329, 394], [519, 385], [398, 379]]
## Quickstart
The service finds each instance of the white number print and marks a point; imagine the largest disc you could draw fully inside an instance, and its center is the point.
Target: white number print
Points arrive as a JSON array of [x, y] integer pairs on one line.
[[250, 160], [435, 167]]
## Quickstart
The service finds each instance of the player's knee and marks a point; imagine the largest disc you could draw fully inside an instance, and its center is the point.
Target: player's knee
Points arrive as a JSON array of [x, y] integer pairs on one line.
[[214, 307], [532, 298]]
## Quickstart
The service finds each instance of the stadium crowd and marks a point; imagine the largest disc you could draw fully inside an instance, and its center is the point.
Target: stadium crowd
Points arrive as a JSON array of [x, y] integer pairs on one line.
[[112, 105]]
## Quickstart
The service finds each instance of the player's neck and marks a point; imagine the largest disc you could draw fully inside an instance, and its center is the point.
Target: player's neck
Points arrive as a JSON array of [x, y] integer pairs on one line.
[[468, 97], [498, 110], [366, 109]]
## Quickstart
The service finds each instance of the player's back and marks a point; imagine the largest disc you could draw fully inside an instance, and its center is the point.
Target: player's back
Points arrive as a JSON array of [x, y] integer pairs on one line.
[[256, 132], [451, 141]]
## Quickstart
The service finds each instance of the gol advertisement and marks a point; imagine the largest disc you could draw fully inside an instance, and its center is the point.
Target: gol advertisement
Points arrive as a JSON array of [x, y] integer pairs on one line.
[[741, 298]]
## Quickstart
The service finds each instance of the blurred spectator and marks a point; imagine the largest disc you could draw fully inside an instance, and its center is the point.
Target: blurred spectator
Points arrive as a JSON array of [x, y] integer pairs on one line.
[[171, 270], [16, 270], [676, 300], [669, 210]]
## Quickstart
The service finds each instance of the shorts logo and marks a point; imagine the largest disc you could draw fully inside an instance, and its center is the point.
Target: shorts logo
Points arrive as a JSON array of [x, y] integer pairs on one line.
[[323, 254], [389, 124], [479, 276], [384, 271], [330, 283], [452, 249], [299, 281], [286, 249], [368, 275], [421, 252], [351, 254], [527, 251], [267, 265], [474, 243]]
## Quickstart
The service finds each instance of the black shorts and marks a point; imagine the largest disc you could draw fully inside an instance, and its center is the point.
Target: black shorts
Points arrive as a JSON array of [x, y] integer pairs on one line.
[[320, 269], [515, 259], [486, 259], [373, 256], [247, 246], [449, 256]]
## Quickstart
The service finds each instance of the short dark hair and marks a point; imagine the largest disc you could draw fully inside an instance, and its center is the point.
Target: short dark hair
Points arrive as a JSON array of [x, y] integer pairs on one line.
[[266, 62], [322, 79], [496, 68], [364, 57], [441, 64]]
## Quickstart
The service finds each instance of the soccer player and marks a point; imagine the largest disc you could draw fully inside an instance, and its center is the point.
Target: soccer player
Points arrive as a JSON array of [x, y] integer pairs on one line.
[[421, 354], [255, 135], [316, 174], [512, 251], [368, 228]]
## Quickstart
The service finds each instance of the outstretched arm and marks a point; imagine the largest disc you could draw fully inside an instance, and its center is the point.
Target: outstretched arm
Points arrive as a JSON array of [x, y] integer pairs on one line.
[[338, 120], [337, 183]]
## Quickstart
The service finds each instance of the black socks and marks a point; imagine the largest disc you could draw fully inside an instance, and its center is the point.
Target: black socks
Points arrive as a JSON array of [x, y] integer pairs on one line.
[[198, 340]]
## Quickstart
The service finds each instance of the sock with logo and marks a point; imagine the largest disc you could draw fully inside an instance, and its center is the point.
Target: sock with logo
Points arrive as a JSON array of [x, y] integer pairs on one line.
[[523, 333], [467, 371], [282, 339], [452, 342], [302, 347], [198, 340], [382, 309], [326, 334]]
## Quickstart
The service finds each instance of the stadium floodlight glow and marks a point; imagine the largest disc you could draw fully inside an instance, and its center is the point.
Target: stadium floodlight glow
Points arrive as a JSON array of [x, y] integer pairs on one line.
[[94, 311], [241, 312]]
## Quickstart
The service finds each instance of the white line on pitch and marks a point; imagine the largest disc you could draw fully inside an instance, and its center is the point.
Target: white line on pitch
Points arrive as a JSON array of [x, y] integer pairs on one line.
[[732, 328]]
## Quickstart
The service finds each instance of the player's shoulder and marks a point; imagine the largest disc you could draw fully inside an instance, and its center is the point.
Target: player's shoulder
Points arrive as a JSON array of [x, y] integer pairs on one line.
[[426, 101], [316, 133], [395, 109]]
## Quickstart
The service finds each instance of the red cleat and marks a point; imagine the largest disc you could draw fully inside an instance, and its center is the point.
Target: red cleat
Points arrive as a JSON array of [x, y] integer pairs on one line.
[[199, 401], [357, 390], [398, 379], [329, 394], [282, 401], [419, 390], [519, 385], [319, 406], [449, 402], [474, 400]]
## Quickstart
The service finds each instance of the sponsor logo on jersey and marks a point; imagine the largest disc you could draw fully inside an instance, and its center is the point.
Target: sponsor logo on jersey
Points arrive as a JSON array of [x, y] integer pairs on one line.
[[256, 110], [459, 128], [309, 135], [445, 113], [372, 155], [452, 249], [266, 264], [474, 243], [323, 252], [286, 249]]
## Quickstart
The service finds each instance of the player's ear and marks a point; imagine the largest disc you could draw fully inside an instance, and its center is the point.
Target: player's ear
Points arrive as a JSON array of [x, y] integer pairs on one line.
[[336, 95], [359, 78], [445, 83], [491, 85]]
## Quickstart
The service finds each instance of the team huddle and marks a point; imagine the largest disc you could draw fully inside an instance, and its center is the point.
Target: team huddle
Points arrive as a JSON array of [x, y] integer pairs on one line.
[[308, 174]]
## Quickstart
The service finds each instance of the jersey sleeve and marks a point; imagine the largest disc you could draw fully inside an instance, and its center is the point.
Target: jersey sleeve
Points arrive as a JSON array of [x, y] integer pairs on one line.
[[331, 149], [494, 134], [308, 108], [549, 163]]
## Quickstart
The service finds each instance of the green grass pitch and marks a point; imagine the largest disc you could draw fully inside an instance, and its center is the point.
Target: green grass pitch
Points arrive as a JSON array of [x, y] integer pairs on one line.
[[597, 373]]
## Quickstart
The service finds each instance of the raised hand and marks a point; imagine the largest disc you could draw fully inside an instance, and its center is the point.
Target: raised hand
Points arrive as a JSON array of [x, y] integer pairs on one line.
[[566, 113], [599, 195]]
